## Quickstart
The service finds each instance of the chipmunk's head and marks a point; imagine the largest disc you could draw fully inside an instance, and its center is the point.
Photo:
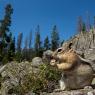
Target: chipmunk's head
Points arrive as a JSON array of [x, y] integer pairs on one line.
[[58, 55]]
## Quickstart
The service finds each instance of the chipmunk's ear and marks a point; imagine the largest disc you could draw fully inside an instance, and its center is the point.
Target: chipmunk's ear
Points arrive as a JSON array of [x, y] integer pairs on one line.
[[70, 45]]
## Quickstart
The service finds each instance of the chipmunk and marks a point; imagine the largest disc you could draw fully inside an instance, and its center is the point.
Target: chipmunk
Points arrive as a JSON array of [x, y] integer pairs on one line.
[[77, 72]]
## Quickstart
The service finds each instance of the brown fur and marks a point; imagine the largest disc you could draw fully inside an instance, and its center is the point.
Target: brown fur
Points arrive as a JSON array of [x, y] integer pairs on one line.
[[67, 59], [77, 72]]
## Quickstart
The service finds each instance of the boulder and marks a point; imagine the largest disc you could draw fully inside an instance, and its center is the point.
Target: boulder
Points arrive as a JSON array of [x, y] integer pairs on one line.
[[84, 42], [37, 61], [73, 92], [47, 55], [13, 75]]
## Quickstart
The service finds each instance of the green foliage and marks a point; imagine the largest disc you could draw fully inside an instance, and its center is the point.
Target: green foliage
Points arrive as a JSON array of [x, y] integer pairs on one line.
[[11, 50], [18, 56], [0, 81], [6, 22], [19, 42], [46, 43], [37, 82], [83, 28], [1, 56], [37, 45], [54, 38], [7, 54], [5, 59], [7, 44], [30, 39]]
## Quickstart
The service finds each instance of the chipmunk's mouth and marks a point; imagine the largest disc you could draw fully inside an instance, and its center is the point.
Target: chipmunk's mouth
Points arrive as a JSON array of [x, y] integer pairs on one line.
[[54, 60]]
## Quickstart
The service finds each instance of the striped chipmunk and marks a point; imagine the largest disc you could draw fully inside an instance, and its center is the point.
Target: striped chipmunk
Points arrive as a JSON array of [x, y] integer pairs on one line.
[[76, 71]]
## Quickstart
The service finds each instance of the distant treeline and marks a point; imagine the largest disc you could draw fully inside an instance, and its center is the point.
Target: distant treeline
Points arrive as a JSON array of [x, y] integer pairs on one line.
[[10, 51]]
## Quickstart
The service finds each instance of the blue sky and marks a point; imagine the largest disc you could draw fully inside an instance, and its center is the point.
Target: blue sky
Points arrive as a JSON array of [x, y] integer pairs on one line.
[[63, 13]]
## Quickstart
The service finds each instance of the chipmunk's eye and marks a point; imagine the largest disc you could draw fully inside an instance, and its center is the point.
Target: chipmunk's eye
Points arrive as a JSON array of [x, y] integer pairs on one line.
[[59, 50]]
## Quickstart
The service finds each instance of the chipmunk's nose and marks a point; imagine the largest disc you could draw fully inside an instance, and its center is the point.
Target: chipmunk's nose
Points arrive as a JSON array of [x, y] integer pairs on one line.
[[54, 56], [53, 60]]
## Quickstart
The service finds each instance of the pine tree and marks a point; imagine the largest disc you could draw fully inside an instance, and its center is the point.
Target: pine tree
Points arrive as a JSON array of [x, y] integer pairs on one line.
[[54, 38], [11, 50], [18, 55], [26, 43], [30, 51], [4, 29], [19, 42], [83, 27], [12, 46], [30, 39], [46, 43], [6, 22], [25, 50], [37, 47]]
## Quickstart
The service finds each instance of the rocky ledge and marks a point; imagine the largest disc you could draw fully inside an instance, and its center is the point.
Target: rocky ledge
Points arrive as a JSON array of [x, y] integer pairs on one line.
[[14, 76], [74, 92]]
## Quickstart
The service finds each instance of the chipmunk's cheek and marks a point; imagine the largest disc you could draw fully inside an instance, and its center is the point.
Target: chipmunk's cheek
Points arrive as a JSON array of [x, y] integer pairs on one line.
[[59, 57], [53, 62]]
